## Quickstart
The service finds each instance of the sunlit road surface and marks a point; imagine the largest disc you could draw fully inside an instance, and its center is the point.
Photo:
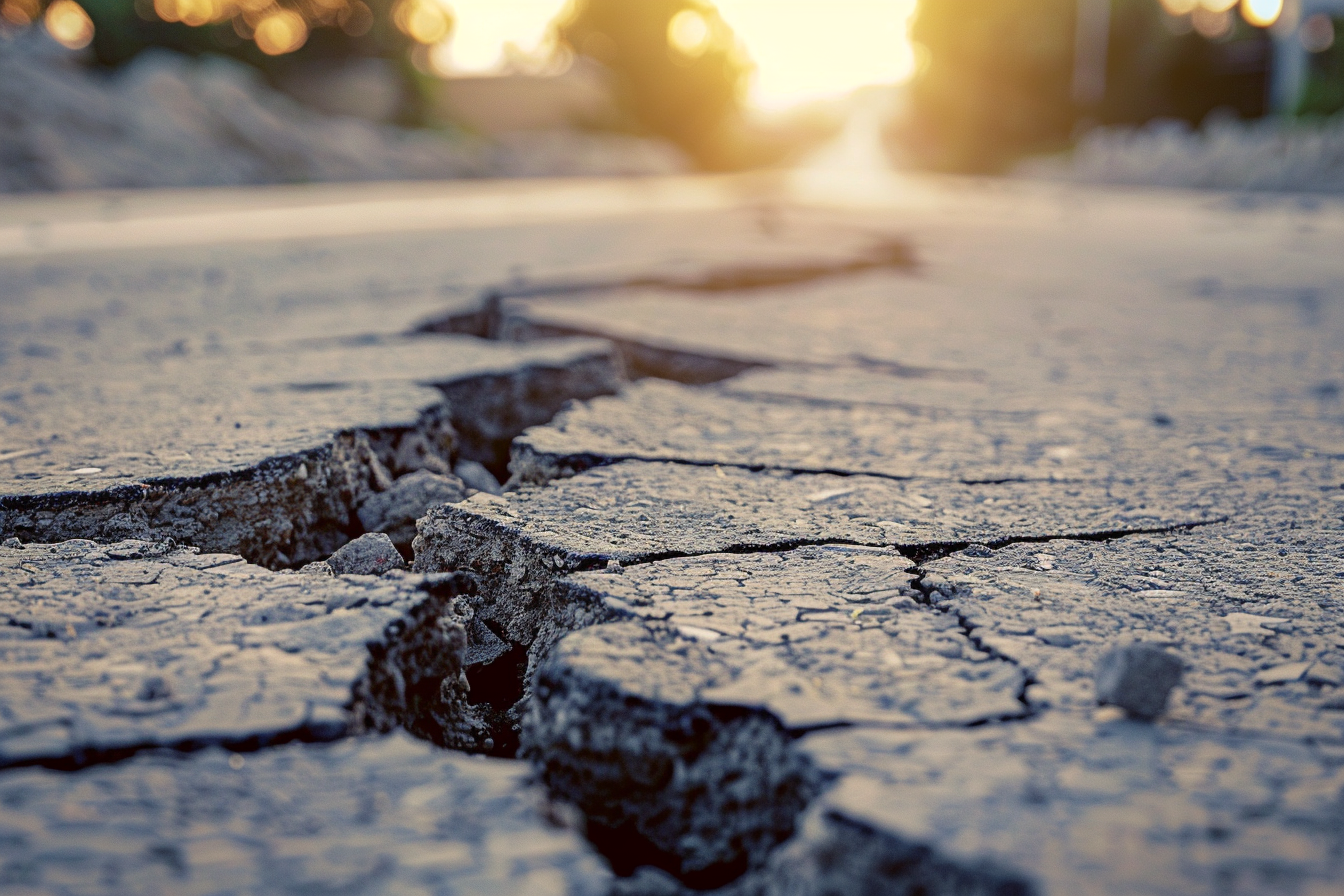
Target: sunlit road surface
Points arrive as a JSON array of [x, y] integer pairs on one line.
[[124, 220]]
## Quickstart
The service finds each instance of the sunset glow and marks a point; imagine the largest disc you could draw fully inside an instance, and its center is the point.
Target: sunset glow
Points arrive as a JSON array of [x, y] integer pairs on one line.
[[802, 50]]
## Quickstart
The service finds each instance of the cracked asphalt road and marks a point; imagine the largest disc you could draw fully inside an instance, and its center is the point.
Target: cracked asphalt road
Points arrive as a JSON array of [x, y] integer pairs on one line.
[[815, 522]]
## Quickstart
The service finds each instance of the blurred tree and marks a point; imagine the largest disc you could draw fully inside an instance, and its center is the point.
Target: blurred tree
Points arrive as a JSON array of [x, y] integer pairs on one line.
[[994, 81], [258, 31], [1323, 93], [996, 76], [679, 71]]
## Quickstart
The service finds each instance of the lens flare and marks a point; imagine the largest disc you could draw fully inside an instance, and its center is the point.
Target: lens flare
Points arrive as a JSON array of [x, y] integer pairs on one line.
[[69, 24], [1261, 13], [688, 33], [802, 49], [280, 32]]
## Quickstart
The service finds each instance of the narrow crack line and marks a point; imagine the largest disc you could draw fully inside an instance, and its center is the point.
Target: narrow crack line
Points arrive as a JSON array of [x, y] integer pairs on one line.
[[593, 461], [779, 547], [1028, 679], [79, 759], [938, 552], [885, 253], [924, 552], [821, 401]]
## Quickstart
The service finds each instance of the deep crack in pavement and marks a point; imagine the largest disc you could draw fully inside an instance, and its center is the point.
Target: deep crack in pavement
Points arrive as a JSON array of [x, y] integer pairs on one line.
[[789, 577]]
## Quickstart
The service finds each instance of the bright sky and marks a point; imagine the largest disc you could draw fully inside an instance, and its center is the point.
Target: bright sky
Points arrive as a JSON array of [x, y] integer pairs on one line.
[[803, 49]]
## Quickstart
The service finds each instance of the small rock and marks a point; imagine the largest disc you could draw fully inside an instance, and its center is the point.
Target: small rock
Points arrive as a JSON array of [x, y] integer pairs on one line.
[[395, 511], [155, 687], [1282, 674], [1320, 673], [317, 568], [1251, 624], [1138, 678], [368, 555], [476, 476], [13, 543]]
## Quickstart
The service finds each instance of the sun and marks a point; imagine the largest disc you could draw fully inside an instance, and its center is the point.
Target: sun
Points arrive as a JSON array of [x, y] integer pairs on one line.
[[803, 49]]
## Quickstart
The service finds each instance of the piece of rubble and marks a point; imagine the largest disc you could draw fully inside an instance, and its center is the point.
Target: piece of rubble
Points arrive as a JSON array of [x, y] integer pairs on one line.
[[475, 475], [384, 813], [371, 554], [115, 648], [1138, 678], [395, 511]]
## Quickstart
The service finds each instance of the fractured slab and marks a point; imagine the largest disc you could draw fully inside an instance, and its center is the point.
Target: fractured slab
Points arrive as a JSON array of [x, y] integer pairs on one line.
[[1060, 806], [817, 636], [385, 814], [655, 420], [108, 649], [1252, 608], [671, 721], [634, 511], [265, 453]]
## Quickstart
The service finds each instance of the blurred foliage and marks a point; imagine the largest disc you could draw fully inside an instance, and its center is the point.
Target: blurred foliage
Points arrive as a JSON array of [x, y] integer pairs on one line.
[[270, 34], [996, 76], [1158, 66], [678, 70], [1323, 93], [993, 81]]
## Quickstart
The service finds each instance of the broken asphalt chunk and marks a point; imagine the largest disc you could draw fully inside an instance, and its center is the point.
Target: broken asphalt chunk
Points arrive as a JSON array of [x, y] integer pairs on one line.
[[384, 813], [107, 656]]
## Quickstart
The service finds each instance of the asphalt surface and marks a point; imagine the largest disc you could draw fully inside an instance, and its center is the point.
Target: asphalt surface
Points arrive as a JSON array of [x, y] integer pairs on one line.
[[779, 545]]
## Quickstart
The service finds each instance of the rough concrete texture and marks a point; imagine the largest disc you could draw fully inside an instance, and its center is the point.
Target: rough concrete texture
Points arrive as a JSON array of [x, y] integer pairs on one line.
[[817, 636], [675, 735], [368, 815], [1066, 805], [113, 648], [634, 511], [1253, 610], [656, 420], [746, 651]]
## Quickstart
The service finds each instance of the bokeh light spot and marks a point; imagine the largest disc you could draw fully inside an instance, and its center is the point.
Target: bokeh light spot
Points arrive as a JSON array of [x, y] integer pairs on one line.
[[19, 12], [423, 21], [1261, 13], [1217, 5], [69, 24], [688, 33], [355, 19], [280, 32], [1179, 7], [1212, 25], [1317, 33]]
